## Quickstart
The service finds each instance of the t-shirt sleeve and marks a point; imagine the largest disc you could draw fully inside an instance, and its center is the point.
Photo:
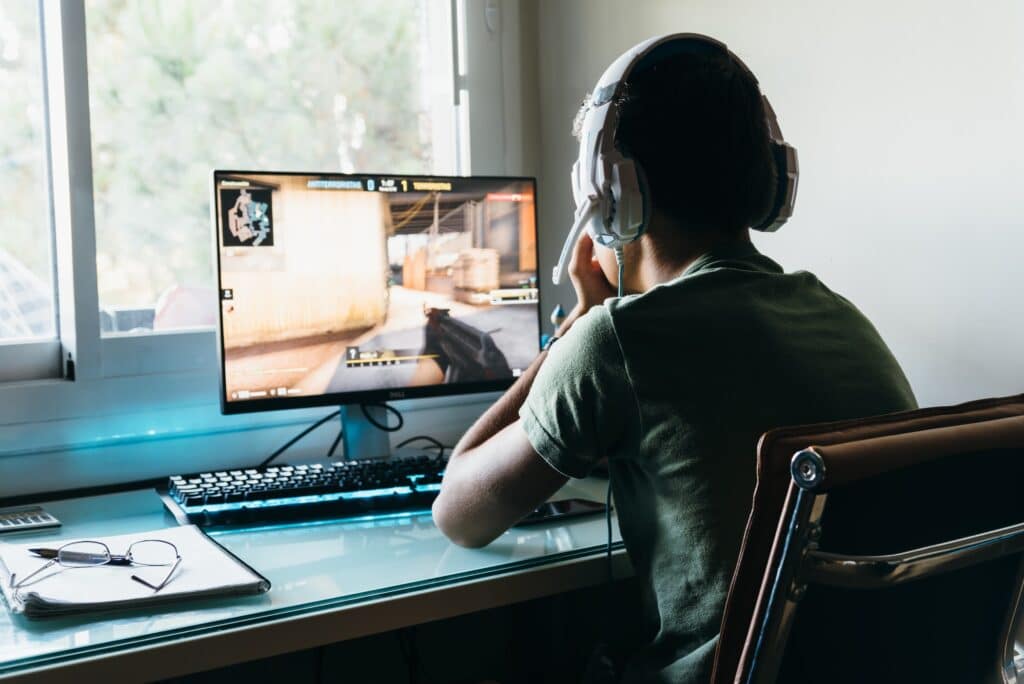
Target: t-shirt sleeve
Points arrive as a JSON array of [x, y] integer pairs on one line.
[[576, 411]]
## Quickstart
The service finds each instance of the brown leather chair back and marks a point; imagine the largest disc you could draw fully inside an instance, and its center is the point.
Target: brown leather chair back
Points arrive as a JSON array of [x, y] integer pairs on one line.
[[811, 601]]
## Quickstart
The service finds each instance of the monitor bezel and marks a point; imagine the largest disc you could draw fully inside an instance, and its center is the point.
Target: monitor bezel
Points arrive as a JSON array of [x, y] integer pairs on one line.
[[359, 396]]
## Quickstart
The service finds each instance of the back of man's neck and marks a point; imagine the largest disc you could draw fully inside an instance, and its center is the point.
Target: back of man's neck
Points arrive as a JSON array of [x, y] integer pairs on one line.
[[660, 266]]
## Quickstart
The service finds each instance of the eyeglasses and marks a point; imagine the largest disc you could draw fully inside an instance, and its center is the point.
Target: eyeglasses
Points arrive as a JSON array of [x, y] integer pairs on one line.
[[89, 554]]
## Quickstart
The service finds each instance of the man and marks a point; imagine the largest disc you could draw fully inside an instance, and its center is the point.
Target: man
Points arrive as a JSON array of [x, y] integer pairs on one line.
[[673, 383]]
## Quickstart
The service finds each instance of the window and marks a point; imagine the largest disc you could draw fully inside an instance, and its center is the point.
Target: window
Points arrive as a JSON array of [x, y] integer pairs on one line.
[[114, 113], [26, 267], [177, 89]]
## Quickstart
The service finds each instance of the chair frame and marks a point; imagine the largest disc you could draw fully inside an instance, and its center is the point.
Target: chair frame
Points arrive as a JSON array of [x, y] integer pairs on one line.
[[803, 564]]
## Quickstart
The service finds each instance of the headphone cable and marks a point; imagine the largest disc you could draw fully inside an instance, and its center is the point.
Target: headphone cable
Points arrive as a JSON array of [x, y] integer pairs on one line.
[[602, 662], [621, 263]]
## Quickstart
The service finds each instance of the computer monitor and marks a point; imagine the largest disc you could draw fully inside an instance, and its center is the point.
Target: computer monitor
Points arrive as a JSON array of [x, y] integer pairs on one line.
[[342, 289]]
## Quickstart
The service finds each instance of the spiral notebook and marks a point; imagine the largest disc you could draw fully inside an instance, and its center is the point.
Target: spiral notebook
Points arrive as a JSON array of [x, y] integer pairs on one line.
[[206, 570]]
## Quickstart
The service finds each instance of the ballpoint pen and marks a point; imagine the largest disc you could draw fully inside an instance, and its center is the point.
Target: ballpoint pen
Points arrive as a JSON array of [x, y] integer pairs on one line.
[[52, 554]]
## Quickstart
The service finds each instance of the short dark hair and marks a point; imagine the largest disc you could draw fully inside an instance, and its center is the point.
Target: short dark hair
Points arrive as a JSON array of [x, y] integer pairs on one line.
[[695, 124]]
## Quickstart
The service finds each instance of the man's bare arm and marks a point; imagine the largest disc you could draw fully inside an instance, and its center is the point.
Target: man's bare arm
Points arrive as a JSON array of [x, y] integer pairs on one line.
[[591, 289], [503, 412], [495, 476]]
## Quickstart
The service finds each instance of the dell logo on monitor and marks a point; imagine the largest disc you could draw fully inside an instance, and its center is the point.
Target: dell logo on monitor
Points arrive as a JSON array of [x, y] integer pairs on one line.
[[396, 394]]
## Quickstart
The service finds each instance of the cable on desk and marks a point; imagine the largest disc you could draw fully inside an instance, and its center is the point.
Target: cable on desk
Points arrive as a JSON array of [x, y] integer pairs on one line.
[[383, 426], [334, 444], [423, 438], [297, 437], [377, 424]]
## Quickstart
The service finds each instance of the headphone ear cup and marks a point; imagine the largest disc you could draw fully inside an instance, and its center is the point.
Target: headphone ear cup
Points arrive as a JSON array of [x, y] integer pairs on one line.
[[629, 211], [787, 171], [644, 191], [577, 192], [789, 168]]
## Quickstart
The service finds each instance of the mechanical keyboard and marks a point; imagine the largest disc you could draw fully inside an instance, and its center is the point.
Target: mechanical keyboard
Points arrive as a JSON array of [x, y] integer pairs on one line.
[[305, 492]]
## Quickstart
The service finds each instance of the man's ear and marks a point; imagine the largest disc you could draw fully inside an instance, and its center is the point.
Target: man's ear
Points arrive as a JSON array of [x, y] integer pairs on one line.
[[606, 258]]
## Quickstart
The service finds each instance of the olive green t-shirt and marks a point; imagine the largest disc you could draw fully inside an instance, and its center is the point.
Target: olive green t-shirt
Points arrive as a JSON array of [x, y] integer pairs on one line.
[[674, 386]]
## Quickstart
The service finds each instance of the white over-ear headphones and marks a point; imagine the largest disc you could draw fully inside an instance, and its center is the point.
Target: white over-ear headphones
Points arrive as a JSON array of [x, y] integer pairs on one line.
[[611, 197]]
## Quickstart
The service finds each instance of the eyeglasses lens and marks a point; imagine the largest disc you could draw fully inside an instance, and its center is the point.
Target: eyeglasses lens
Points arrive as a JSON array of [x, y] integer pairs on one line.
[[153, 552], [83, 554]]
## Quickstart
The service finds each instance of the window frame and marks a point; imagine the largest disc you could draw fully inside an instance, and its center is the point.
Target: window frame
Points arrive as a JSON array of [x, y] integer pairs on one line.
[[29, 360], [142, 379]]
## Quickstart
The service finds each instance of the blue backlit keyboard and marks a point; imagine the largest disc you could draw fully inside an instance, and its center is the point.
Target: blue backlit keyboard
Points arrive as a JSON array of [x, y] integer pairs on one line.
[[305, 492]]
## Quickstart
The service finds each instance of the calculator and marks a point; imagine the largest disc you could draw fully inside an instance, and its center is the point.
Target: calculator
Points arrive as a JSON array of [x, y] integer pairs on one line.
[[27, 518]]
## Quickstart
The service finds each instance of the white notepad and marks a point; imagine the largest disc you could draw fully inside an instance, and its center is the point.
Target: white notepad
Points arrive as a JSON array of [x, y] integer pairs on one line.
[[206, 569]]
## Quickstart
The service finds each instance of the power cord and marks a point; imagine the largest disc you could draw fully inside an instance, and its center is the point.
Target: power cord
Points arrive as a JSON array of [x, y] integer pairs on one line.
[[334, 445], [383, 426], [297, 437]]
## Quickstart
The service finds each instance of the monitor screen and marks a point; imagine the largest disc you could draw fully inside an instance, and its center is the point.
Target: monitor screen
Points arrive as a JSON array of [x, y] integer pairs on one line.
[[339, 288]]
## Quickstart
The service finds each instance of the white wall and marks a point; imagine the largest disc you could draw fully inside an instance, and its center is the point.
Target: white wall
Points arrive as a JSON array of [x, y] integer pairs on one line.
[[501, 78], [908, 117]]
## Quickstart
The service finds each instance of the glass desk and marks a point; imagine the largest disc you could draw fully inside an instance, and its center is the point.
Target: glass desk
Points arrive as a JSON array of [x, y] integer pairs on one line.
[[332, 581]]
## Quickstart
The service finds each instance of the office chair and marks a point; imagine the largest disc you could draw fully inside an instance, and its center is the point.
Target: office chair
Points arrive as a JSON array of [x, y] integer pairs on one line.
[[883, 549]]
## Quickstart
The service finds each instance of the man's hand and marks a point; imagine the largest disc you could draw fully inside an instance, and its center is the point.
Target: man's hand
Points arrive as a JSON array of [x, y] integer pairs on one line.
[[589, 281]]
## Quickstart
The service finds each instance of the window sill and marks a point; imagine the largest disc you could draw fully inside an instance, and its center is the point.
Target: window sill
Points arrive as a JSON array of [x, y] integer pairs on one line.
[[60, 435]]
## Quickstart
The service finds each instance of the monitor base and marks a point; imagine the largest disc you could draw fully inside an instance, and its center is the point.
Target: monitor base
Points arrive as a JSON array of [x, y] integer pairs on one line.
[[359, 437]]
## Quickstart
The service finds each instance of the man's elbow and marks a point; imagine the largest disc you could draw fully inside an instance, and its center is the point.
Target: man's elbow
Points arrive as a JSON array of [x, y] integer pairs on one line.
[[455, 527]]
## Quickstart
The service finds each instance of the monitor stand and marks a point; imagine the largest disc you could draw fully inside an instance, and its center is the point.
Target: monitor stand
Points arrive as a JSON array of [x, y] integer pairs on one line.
[[359, 437]]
